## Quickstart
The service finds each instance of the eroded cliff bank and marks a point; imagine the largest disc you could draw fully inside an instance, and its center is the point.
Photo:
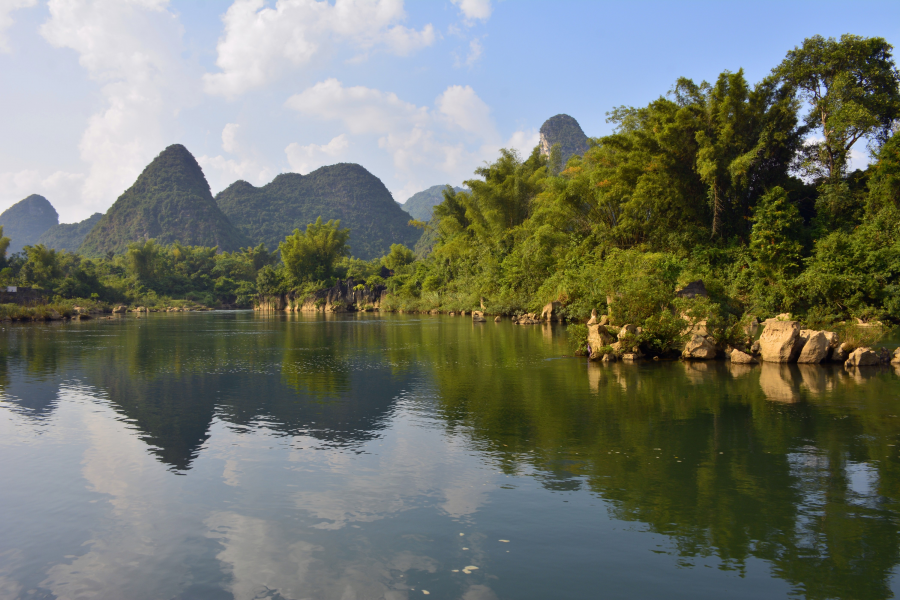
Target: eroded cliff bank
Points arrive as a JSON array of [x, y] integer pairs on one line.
[[345, 296]]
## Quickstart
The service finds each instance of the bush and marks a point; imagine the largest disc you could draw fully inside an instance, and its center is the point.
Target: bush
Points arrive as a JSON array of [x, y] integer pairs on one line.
[[578, 339]]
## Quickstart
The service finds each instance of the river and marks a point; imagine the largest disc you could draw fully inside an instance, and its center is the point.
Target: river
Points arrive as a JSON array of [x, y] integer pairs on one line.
[[237, 455]]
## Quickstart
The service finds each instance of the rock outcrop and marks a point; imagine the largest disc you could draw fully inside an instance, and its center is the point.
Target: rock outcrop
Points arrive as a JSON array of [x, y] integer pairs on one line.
[[598, 337], [551, 312], [478, 316], [742, 358], [862, 357], [565, 131], [343, 297], [815, 346], [779, 341], [895, 357], [699, 348], [693, 290]]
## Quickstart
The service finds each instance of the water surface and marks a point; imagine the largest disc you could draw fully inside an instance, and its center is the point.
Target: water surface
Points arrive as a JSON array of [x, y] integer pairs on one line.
[[234, 455]]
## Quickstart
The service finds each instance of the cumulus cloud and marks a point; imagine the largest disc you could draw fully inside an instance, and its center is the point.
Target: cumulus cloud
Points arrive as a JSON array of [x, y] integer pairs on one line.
[[133, 49], [440, 144], [304, 159], [63, 189], [221, 171], [473, 10], [6, 20], [229, 138], [261, 43], [362, 109]]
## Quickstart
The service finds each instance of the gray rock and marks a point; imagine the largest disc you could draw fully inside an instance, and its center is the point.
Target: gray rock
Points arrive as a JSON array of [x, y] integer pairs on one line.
[[699, 348], [779, 341], [551, 312], [862, 357], [593, 318], [742, 358], [841, 353], [816, 347], [598, 337], [627, 330]]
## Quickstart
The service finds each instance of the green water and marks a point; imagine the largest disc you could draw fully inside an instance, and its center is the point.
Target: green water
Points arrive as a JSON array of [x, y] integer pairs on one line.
[[233, 455]]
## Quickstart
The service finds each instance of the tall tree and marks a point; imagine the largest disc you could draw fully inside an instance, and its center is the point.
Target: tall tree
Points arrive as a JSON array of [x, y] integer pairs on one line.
[[853, 87], [311, 255]]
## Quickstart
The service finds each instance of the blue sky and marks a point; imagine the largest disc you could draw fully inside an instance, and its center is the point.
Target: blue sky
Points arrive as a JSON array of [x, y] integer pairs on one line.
[[420, 93]]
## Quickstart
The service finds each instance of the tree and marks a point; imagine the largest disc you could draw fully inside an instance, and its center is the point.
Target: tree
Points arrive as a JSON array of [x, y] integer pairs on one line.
[[773, 238], [142, 259], [4, 246], [854, 88], [311, 255], [399, 256]]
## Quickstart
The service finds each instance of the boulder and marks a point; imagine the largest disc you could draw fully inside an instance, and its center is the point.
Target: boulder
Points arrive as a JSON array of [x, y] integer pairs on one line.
[[604, 320], [841, 353], [862, 357], [608, 358], [551, 312], [593, 318], [699, 328], [497, 319], [478, 316], [754, 348], [120, 309], [631, 356], [779, 341], [52, 315], [699, 348], [627, 330], [816, 347], [895, 357], [742, 358], [598, 337]]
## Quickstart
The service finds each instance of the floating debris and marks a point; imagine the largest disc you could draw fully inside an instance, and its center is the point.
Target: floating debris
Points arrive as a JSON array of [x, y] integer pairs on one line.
[[504, 541], [465, 548], [468, 570], [426, 592]]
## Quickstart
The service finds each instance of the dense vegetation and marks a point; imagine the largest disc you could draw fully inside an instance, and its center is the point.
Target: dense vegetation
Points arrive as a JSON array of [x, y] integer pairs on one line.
[[421, 205], [744, 186], [68, 236], [26, 220], [345, 192], [170, 202]]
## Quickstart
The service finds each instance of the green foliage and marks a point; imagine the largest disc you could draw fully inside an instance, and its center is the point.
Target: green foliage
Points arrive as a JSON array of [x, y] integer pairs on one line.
[[344, 191], [421, 205], [577, 336], [773, 240], [399, 256], [69, 236], [311, 255], [853, 87]]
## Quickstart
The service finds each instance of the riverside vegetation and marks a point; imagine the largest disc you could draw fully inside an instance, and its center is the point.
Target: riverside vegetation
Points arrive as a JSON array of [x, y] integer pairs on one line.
[[746, 187]]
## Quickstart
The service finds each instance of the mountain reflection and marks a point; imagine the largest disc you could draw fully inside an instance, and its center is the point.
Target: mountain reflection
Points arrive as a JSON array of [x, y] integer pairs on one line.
[[794, 465]]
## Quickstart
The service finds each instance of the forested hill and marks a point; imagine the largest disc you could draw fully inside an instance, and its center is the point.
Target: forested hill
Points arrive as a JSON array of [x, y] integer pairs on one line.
[[69, 236], [25, 221], [171, 202], [420, 205], [565, 131], [344, 191]]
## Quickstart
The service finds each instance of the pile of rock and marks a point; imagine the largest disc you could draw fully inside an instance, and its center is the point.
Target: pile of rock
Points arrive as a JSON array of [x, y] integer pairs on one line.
[[782, 341]]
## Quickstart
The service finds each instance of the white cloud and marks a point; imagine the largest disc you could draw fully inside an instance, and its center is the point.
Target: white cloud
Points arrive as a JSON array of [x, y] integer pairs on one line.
[[462, 106], [261, 43], [132, 48], [61, 188], [229, 138], [6, 20], [475, 52], [362, 109], [304, 159], [474, 9], [427, 146]]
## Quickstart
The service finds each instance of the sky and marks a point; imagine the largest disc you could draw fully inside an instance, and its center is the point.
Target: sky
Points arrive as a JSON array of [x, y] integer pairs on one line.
[[420, 93]]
